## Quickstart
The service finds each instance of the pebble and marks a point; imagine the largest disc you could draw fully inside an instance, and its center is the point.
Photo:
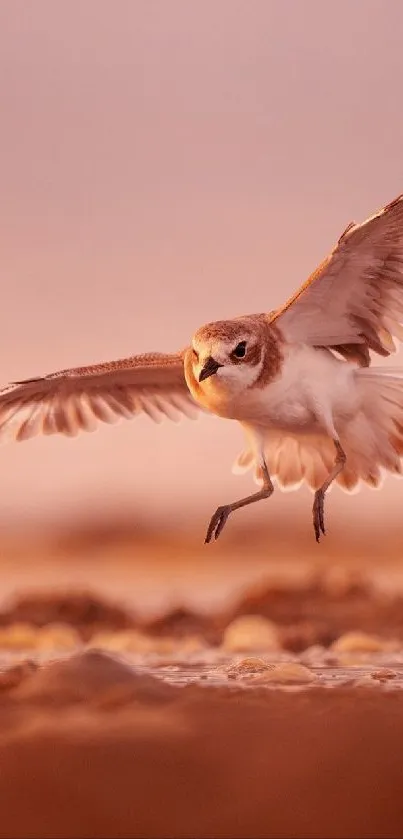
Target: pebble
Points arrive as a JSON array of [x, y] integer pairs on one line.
[[251, 632]]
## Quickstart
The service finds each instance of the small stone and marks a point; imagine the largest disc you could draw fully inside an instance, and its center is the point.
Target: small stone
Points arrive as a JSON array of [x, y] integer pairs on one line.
[[91, 675], [383, 675], [251, 632], [248, 666], [352, 660], [355, 642], [58, 636], [18, 636]]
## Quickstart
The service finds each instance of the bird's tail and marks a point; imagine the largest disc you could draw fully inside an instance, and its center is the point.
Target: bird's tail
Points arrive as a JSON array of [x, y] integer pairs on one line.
[[372, 441], [376, 432]]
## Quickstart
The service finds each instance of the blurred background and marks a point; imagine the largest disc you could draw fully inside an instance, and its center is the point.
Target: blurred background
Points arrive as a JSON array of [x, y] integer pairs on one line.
[[164, 164]]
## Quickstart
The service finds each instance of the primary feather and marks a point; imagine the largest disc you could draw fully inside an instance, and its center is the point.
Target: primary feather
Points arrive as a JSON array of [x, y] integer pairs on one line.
[[354, 301], [77, 399]]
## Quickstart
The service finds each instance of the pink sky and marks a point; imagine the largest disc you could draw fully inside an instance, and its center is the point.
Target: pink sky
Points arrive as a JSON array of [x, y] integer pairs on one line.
[[165, 163]]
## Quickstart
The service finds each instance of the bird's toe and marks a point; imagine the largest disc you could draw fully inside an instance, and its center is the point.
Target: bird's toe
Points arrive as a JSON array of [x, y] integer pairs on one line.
[[217, 523]]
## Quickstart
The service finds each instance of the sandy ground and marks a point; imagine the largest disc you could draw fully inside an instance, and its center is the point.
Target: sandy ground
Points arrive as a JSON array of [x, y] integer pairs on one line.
[[148, 691], [94, 747]]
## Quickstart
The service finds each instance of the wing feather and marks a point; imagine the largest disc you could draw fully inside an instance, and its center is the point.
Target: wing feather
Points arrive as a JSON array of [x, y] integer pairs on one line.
[[78, 399], [355, 297]]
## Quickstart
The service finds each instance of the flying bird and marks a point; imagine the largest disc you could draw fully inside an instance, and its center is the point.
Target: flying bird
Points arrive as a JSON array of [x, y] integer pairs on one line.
[[299, 379]]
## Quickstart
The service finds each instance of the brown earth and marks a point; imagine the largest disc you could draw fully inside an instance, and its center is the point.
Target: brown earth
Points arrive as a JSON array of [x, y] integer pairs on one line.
[[91, 747], [315, 612], [275, 712]]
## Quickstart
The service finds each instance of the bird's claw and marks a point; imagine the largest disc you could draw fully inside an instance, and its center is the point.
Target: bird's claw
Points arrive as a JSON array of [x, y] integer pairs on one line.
[[217, 523], [318, 513]]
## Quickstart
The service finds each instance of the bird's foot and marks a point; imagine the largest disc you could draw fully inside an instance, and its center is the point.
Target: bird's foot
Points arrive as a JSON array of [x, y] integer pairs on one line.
[[318, 512], [217, 523]]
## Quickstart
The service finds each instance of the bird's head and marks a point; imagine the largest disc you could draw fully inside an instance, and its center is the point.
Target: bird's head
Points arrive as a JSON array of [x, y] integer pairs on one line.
[[228, 354]]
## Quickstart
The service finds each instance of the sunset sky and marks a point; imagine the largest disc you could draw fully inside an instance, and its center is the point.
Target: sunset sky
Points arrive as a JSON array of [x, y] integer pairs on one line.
[[166, 163]]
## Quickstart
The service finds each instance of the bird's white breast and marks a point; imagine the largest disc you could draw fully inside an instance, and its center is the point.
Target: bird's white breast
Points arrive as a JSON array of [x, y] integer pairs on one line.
[[310, 389]]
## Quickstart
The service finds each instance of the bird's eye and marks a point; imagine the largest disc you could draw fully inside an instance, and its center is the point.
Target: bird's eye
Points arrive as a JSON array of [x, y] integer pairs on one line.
[[240, 350], [195, 355]]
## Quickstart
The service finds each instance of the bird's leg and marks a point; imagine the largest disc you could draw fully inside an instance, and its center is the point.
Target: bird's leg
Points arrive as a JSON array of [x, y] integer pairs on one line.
[[318, 504], [220, 516]]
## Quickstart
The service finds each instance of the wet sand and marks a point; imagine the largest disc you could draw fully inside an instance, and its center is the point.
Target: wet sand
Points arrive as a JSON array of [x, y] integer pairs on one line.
[[272, 710], [94, 746]]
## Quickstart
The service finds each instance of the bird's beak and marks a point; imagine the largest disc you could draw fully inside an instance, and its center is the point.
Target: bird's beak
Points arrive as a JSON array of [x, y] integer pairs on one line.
[[211, 366]]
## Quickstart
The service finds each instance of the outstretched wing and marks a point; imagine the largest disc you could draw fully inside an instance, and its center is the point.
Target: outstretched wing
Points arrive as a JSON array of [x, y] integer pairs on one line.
[[75, 400], [354, 300]]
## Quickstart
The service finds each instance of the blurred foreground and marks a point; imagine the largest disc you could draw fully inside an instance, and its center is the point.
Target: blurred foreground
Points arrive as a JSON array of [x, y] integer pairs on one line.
[[151, 686]]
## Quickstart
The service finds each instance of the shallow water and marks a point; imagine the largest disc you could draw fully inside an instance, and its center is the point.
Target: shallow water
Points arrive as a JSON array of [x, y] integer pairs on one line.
[[213, 668]]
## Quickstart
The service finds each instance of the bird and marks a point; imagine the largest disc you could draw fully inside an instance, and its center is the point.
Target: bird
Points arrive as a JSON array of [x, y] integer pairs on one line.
[[299, 379]]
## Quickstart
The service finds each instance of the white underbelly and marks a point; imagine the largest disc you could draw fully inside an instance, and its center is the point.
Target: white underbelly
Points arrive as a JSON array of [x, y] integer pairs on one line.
[[312, 388]]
